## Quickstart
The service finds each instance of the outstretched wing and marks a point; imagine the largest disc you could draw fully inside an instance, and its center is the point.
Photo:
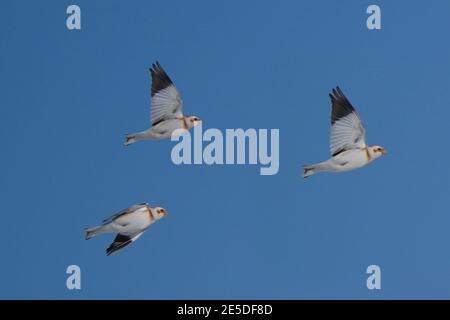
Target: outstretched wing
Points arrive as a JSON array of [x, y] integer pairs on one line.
[[347, 131], [121, 241], [124, 212], [166, 102]]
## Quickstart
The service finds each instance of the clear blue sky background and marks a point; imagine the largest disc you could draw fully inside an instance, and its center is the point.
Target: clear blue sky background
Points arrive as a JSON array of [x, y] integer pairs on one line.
[[68, 97]]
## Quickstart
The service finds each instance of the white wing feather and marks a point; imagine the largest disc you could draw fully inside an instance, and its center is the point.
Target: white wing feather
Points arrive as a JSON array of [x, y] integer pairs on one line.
[[166, 104], [347, 131]]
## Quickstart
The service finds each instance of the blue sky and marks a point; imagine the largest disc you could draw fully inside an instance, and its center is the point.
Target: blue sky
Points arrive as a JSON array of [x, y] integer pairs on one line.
[[68, 98]]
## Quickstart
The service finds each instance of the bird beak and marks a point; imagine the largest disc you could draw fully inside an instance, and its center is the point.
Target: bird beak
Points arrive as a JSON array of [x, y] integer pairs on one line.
[[383, 151]]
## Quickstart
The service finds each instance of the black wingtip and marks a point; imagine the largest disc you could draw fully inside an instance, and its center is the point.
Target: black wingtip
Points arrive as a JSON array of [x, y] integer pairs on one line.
[[160, 79], [337, 93], [111, 249], [156, 67], [335, 88], [119, 242], [340, 105]]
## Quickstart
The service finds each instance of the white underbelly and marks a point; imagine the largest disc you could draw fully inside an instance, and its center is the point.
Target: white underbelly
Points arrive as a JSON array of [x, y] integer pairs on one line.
[[135, 222], [351, 159], [167, 127]]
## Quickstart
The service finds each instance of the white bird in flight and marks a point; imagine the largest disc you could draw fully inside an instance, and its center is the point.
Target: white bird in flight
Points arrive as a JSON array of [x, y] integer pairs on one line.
[[347, 140], [129, 224], [166, 112]]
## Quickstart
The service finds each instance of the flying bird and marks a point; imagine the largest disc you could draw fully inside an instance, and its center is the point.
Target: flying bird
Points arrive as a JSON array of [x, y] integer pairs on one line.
[[129, 224], [347, 140], [166, 110]]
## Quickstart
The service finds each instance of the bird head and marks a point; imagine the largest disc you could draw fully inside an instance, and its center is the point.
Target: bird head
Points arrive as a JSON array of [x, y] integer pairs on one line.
[[376, 151], [192, 121], [159, 213]]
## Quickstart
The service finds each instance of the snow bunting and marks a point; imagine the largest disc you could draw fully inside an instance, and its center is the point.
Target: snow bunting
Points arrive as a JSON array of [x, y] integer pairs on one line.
[[129, 224], [347, 140], [166, 112]]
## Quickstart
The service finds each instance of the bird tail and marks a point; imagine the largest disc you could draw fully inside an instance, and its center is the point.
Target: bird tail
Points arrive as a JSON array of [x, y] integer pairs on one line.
[[130, 138], [143, 135], [308, 171], [314, 168], [91, 232]]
